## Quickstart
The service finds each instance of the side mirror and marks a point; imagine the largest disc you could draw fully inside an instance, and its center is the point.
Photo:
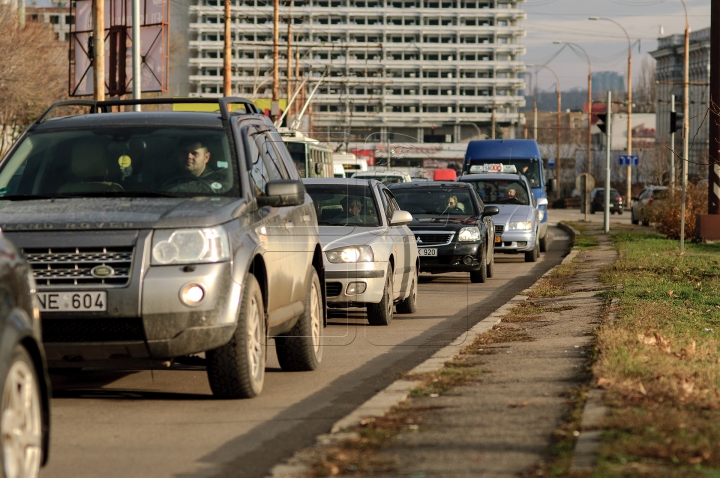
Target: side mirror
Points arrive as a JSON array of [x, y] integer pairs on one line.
[[400, 218], [282, 192], [542, 201], [491, 210], [553, 185]]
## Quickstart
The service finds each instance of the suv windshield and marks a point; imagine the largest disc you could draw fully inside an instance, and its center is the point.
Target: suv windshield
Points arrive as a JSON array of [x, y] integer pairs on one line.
[[500, 191], [343, 205], [123, 160], [434, 201]]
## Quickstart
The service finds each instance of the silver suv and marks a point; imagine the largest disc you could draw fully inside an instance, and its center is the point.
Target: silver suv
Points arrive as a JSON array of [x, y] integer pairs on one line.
[[158, 235]]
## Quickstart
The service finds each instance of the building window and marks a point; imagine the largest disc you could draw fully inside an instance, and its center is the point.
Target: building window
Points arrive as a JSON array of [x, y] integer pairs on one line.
[[70, 19], [54, 19]]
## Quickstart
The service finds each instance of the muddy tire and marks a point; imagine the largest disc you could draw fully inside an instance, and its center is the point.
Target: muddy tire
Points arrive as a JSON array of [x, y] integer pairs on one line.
[[301, 349], [544, 243], [382, 312], [491, 261], [237, 369]]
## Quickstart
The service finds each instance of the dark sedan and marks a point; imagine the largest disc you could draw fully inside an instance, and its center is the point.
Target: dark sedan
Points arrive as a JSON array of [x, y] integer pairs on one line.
[[598, 201], [25, 414], [453, 228]]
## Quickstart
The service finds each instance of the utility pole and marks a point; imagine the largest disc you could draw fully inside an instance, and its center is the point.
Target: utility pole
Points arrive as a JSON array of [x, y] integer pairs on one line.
[[99, 50], [227, 52], [558, 163], [289, 87], [275, 107], [714, 124], [608, 147], [589, 140], [686, 126], [136, 59], [535, 115], [672, 147]]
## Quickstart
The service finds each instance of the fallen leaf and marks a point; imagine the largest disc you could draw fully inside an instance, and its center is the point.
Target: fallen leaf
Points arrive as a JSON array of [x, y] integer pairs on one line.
[[641, 388], [687, 386], [670, 293], [646, 340]]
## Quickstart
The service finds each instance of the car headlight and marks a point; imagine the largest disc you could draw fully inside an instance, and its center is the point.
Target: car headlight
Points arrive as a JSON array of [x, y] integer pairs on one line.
[[520, 226], [350, 254], [469, 234], [190, 246]]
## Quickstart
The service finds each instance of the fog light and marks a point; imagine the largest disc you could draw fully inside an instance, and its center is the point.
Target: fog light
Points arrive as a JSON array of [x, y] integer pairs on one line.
[[192, 294], [522, 243], [468, 260], [355, 288]]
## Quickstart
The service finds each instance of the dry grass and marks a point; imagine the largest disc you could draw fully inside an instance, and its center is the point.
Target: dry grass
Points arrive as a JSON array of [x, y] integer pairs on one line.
[[659, 361], [555, 284]]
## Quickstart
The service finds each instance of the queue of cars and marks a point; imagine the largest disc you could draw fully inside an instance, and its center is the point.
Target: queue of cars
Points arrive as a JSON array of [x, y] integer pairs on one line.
[[143, 238]]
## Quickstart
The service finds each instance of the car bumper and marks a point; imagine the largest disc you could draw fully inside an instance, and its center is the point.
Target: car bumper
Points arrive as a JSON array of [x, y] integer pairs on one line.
[[368, 275], [164, 328], [515, 241], [452, 258]]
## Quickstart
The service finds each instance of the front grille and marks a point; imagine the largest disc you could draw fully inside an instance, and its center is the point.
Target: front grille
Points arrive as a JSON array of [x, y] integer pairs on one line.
[[433, 239], [73, 266], [92, 330], [333, 289], [499, 229]]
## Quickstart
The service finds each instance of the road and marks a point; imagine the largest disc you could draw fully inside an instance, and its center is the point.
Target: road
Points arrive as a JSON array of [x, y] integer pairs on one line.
[[167, 424]]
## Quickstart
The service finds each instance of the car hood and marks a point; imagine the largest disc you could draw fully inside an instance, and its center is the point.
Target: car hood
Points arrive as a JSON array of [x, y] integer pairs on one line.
[[513, 213], [115, 213], [449, 223], [333, 237]]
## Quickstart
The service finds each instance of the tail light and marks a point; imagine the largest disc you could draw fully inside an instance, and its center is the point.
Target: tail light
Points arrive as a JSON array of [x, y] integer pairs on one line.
[[651, 200]]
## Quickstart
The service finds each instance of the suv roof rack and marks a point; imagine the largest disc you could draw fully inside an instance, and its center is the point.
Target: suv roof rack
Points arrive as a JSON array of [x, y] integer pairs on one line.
[[105, 106]]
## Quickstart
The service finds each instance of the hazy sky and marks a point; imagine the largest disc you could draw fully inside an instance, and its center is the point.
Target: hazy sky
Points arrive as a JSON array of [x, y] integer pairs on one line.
[[605, 42]]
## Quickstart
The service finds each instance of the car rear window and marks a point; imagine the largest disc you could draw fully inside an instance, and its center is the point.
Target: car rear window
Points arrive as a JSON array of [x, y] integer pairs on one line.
[[121, 160], [436, 201]]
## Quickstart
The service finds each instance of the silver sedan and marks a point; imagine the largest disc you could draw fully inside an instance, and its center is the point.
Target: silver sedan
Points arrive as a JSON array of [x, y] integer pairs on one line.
[[370, 255]]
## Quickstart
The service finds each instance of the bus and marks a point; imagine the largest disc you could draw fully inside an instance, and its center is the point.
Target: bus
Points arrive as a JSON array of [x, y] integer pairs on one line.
[[312, 158], [524, 154]]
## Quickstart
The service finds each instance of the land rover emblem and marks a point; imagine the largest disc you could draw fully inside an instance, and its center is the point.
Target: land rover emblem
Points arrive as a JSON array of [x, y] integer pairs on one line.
[[102, 271]]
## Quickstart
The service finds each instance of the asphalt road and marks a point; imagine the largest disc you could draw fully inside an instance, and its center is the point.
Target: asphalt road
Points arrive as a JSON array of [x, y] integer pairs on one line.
[[167, 424]]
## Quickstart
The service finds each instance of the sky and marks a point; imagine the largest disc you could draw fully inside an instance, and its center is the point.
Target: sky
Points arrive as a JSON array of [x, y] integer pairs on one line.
[[605, 42]]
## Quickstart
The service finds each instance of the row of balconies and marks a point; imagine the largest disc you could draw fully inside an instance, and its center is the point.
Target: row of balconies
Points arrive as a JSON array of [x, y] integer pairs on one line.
[[502, 13]]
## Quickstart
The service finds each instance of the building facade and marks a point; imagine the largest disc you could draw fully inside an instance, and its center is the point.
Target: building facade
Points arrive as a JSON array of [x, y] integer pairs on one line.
[[58, 16], [669, 75], [395, 70]]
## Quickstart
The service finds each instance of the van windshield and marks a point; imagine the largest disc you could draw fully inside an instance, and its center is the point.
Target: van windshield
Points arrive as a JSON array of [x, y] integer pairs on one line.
[[121, 161]]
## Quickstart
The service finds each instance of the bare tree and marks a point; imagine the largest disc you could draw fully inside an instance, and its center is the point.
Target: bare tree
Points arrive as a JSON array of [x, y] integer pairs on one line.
[[32, 76], [644, 94]]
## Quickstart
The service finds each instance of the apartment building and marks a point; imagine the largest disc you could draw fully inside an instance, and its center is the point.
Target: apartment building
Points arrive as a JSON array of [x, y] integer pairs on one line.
[[58, 16], [395, 70]]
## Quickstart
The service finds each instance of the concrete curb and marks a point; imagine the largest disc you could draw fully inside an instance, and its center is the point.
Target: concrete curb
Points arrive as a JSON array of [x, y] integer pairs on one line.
[[399, 390]]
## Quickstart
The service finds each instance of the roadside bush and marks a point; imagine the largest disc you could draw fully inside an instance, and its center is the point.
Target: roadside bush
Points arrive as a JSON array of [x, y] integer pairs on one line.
[[665, 211]]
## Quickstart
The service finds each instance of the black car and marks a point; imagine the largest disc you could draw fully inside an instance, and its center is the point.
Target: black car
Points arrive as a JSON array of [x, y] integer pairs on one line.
[[158, 235], [598, 201], [25, 414], [453, 228]]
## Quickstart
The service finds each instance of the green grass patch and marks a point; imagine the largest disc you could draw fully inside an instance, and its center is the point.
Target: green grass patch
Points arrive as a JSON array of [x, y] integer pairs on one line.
[[660, 360]]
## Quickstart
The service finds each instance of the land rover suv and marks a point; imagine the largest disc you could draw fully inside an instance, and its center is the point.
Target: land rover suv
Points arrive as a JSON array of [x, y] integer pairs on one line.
[[154, 236]]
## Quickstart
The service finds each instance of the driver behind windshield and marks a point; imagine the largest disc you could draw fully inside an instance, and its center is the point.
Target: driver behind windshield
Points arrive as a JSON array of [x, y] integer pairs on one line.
[[193, 157], [195, 175]]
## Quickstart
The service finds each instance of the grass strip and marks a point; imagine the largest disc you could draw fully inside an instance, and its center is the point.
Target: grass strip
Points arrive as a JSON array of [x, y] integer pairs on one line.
[[659, 361]]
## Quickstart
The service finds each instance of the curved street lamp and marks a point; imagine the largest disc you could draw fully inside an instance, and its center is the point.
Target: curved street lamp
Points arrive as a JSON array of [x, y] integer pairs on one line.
[[589, 118], [629, 100]]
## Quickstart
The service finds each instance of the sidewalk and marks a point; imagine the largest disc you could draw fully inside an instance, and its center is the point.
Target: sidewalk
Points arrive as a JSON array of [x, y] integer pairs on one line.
[[500, 421]]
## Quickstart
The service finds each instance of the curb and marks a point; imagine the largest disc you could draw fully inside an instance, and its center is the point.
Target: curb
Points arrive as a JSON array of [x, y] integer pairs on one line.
[[399, 390]]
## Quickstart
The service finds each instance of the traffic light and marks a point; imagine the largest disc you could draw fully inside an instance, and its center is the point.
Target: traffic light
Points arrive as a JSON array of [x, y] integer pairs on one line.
[[676, 121], [602, 118]]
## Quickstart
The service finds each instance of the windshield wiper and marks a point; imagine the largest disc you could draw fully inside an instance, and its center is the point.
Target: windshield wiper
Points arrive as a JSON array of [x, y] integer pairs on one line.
[[25, 197], [120, 194]]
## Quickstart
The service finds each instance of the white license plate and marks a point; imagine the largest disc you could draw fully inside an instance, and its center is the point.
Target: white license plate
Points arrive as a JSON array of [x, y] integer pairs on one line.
[[428, 252], [72, 301]]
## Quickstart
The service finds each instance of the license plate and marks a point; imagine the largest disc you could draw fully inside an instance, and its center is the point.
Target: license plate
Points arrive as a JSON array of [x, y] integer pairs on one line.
[[427, 252], [95, 301], [498, 239]]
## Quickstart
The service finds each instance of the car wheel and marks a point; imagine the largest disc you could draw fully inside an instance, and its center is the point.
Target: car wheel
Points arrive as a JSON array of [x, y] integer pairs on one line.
[[491, 261], [620, 211], [237, 369], [479, 276], [544, 243], [382, 312], [409, 304], [645, 223], [21, 419], [592, 209], [301, 349], [532, 256], [632, 218]]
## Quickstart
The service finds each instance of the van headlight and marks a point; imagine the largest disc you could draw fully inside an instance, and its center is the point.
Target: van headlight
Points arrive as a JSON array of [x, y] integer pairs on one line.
[[350, 254], [520, 226], [190, 246], [469, 234]]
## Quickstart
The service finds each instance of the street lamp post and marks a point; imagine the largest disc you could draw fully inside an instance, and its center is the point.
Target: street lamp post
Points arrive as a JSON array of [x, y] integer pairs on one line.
[[589, 122], [558, 166], [629, 111]]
